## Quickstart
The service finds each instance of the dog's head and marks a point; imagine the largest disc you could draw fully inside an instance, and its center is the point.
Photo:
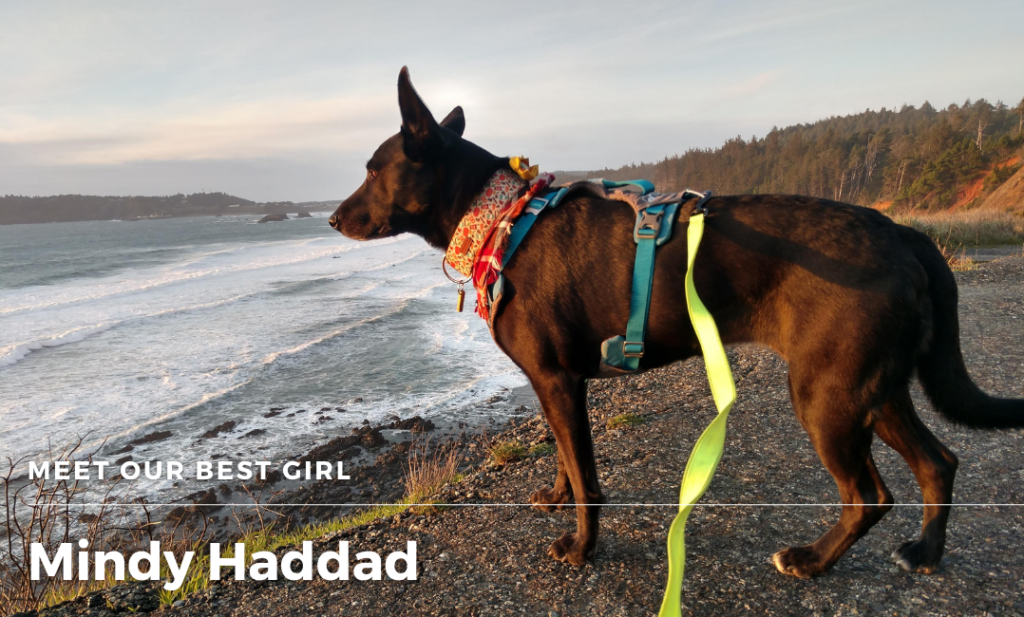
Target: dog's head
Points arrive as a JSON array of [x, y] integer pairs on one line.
[[404, 175]]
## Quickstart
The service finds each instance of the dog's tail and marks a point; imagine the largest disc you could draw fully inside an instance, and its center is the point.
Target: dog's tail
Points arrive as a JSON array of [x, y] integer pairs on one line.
[[940, 366]]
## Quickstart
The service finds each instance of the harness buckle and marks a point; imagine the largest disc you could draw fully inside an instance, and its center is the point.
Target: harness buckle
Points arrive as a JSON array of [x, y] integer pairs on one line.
[[632, 350], [649, 224]]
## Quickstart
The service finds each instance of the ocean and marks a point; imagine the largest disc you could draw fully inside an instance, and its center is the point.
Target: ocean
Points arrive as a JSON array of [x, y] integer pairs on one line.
[[114, 330]]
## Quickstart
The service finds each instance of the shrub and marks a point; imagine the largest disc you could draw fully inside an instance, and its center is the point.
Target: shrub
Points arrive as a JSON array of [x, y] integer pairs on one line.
[[624, 420], [505, 452], [542, 449]]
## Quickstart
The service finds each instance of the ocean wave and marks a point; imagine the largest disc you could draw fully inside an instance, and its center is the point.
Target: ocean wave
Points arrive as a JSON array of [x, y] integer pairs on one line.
[[297, 349], [12, 354], [178, 273]]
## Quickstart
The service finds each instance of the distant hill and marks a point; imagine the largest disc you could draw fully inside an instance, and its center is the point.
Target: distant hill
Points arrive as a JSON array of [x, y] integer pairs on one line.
[[63, 208], [914, 158]]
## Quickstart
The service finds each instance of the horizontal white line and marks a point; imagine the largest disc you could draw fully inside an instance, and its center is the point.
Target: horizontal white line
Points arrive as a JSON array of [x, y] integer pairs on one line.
[[517, 505]]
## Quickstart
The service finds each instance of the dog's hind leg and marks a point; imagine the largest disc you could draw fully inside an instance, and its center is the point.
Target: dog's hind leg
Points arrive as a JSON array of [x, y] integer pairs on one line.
[[554, 498], [934, 466], [840, 431], [564, 401]]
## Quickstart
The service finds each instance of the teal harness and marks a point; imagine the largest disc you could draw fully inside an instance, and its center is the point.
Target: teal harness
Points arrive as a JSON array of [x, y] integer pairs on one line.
[[655, 220]]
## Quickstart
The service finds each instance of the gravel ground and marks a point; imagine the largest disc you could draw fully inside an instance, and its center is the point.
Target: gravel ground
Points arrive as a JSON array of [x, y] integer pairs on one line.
[[493, 561]]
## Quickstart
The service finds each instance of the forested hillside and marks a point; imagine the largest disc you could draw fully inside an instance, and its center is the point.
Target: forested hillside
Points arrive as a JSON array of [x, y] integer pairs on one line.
[[61, 208], [913, 158]]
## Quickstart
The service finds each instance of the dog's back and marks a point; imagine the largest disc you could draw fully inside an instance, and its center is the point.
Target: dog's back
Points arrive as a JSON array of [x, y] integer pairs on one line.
[[854, 302]]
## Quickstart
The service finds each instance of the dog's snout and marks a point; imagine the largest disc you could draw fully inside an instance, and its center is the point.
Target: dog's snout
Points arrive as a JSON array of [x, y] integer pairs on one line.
[[335, 222]]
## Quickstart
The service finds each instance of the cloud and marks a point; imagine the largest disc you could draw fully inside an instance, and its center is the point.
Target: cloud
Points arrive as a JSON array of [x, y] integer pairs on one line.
[[753, 84], [241, 130]]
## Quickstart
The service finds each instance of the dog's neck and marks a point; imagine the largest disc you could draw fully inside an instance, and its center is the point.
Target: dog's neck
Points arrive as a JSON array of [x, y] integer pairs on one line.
[[462, 174]]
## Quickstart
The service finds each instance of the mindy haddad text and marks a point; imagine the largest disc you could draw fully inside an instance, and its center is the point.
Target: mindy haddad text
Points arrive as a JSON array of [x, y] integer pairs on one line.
[[294, 565]]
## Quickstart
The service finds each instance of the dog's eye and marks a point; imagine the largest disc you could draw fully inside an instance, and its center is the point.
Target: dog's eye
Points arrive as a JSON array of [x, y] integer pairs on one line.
[[370, 175]]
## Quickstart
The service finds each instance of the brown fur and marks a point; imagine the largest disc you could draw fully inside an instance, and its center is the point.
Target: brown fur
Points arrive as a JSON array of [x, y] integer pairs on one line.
[[854, 302]]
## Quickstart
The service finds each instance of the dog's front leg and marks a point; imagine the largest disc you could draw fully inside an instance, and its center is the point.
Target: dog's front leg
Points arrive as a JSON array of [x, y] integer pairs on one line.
[[564, 400]]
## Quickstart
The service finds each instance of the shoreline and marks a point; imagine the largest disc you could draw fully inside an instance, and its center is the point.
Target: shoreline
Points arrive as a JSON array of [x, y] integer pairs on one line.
[[492, 560], [377, 453]]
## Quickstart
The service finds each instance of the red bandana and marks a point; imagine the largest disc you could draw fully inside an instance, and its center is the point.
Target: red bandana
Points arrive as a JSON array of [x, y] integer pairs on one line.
[[477, 248]]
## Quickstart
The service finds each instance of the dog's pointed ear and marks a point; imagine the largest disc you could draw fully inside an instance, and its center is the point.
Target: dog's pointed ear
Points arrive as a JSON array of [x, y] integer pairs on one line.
[[455, 121], [418, 125]]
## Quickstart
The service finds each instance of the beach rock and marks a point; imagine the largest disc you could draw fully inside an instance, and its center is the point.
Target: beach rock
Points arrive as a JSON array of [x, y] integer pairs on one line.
[[273, 218], [416, 424], [335, 449], [205, 498], [150, 438], [370, 437], [220, 428], [256, 432], [303, 214], [176, 516], [387, 458]]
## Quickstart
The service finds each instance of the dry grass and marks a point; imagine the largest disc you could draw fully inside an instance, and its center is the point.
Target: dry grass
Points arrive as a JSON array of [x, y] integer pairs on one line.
[[428, 470], [969, 228], [44, 511], [50, 512]]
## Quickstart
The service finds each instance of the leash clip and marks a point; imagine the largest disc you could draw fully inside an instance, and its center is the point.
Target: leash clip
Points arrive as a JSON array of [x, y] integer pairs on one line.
[[700, 207]]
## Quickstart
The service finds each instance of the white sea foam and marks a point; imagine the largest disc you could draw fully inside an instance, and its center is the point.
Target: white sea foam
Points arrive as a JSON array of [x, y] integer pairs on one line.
[[219, 263], [14, 352], [226, 330]]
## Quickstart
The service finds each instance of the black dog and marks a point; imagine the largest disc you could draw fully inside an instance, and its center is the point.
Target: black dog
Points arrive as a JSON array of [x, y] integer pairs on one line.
[[853, 302]]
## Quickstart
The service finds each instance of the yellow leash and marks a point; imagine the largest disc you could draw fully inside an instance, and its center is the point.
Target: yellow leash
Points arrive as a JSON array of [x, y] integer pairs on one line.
[[703, 462]]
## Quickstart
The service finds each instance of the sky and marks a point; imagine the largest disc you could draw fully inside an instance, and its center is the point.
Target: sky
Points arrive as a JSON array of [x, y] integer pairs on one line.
[[287, 100]]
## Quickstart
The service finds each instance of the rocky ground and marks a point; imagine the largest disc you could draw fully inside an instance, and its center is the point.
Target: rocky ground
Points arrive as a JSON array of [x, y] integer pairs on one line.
[[492, 560]]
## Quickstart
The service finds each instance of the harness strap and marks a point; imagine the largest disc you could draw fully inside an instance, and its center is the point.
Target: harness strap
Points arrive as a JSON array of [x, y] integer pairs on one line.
[[653, 228], [646, 186], [647, 230], [529, 217]]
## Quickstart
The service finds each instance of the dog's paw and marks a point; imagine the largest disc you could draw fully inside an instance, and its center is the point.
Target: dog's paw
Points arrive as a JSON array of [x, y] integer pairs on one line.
[[916, 556], [799, 561], [549, 500], [568, 549]]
